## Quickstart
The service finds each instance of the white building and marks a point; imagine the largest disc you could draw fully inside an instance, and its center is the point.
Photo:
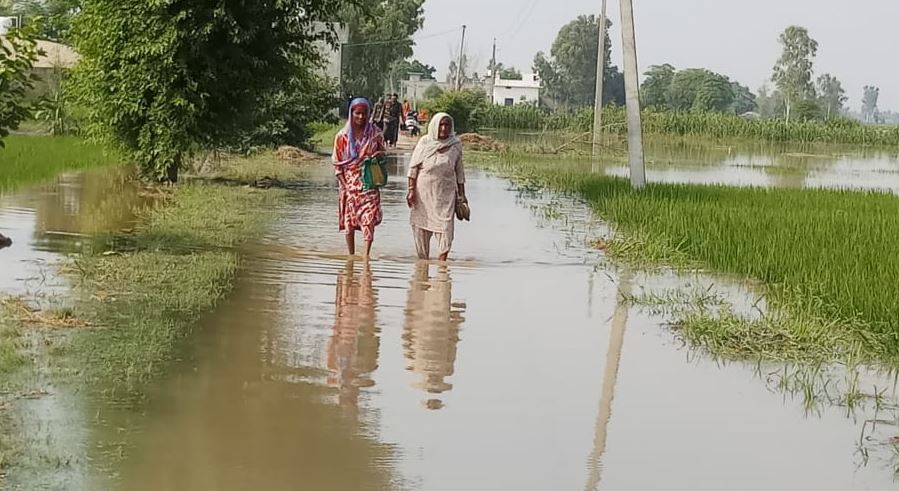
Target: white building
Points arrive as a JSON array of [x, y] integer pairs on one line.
[[6, 23], [513, 92], [413, 90]]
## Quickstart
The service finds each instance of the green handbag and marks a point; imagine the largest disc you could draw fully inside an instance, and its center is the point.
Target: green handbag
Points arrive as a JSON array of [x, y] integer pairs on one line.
[[374, 173]]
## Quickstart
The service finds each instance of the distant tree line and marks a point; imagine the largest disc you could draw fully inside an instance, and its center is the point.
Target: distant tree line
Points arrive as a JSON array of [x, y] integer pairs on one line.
[[568, 73], [694, 89]]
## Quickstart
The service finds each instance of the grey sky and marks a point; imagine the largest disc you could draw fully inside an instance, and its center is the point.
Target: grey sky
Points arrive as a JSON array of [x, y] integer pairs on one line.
[[858, 39]]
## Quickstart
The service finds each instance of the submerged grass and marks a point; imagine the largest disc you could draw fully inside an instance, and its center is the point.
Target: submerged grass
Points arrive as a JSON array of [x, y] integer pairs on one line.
[[135, 296], [177, 265], [828, 258], [690, 123], [32, 159]]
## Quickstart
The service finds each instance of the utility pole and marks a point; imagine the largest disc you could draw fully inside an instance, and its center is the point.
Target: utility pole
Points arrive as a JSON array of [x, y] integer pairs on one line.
[[600, 75], [459, 73], [492, 83], [632, 89]]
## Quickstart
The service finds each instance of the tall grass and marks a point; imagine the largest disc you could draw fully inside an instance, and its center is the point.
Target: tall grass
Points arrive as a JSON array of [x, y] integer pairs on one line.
[[32, 159], [828, 253], [703, 124], [324, 135]]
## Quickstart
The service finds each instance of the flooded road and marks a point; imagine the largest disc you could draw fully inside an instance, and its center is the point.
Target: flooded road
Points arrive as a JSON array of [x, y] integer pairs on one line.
[[516, 366]]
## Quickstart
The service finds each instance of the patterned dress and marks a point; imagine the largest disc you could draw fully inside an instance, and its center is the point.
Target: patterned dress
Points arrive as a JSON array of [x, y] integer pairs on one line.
[[357, 209]]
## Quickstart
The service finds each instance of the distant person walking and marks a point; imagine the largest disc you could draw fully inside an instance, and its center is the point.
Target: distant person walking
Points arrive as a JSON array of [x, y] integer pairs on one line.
[[403, 117], [392, 115], [377, 115], [357, 209], [436, 184]]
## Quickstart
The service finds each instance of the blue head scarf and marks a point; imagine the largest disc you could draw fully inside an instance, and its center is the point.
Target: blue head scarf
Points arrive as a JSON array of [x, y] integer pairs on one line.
[[367, 132]]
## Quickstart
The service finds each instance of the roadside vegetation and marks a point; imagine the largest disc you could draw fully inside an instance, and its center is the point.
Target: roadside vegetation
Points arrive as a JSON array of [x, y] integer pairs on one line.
[[691, 124], [32, 159], [827, 258]]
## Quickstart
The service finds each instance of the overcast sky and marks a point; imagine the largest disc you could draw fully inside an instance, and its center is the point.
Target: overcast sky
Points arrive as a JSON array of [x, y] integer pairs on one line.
[[858, 39]]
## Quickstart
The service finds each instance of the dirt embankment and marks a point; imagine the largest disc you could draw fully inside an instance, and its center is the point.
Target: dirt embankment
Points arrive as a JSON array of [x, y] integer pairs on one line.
[[481, 143]]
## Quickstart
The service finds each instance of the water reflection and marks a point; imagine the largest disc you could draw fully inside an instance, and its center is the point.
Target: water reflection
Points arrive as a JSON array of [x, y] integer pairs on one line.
[[609, 382], [73, 212], [431, 331], [735, 162], [353, 348], [244, 412]]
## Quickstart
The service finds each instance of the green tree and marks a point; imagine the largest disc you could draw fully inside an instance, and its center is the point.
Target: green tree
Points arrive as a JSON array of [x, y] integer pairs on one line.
[[162, 79], [793, 71], [5, 7], [504, 72], [831, 94], [462, 105], [569, 75], [432, 92], [510, 73], [770, 104], [744, 99], [380, 34], [18, 53], [401, 69], [56, 16], [808, 110], [869, 103], [698, 89], [283, 116], [654, 90]]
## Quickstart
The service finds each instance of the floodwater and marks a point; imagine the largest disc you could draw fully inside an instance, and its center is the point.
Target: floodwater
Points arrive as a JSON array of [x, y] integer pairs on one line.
[[515, 366], [63, 216], [686, 160]]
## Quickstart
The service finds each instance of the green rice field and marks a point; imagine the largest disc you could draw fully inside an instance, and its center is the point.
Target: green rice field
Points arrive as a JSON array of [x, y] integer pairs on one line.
[[32, 159], [831, 255]]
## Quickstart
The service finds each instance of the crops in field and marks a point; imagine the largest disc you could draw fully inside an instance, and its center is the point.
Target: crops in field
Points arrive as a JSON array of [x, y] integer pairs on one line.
[[31, 159], [831, 253], [700, 124]]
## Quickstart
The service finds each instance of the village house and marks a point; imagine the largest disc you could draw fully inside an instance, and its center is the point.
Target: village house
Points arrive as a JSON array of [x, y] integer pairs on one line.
[[514, 92]]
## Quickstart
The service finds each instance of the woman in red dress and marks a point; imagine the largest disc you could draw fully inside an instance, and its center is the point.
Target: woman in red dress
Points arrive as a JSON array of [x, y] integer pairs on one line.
[[357, 209]]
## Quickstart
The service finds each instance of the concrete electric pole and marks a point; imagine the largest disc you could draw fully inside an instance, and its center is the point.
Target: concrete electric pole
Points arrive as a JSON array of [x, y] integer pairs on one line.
[[632, 89]]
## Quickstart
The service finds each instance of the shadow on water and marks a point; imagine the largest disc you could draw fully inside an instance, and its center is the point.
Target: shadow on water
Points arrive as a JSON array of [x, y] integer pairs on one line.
[[516, 366]]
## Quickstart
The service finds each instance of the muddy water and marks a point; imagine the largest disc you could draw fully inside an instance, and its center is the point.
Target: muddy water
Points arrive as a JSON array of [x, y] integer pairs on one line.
[[684, 160], [515, 367], [63, 216]]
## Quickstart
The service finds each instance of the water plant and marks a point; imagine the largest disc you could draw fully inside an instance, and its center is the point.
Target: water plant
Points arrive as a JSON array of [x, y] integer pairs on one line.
[[828, 258], [691, 123]]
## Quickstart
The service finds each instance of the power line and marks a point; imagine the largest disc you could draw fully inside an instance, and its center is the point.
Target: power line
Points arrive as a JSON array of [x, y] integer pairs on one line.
[[402, 40]]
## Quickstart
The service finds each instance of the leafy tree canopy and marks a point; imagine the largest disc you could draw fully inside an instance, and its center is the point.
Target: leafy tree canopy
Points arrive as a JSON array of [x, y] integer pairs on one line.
[[163, 79]]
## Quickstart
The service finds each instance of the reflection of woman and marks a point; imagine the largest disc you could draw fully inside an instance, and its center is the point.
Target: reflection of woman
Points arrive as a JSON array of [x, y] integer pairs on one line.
[[357, 209], [436, 181], [353, 349], [431, 333]]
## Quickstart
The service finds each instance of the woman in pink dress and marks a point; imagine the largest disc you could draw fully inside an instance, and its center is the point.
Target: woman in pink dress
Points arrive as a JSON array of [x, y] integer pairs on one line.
[[357, 209]]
